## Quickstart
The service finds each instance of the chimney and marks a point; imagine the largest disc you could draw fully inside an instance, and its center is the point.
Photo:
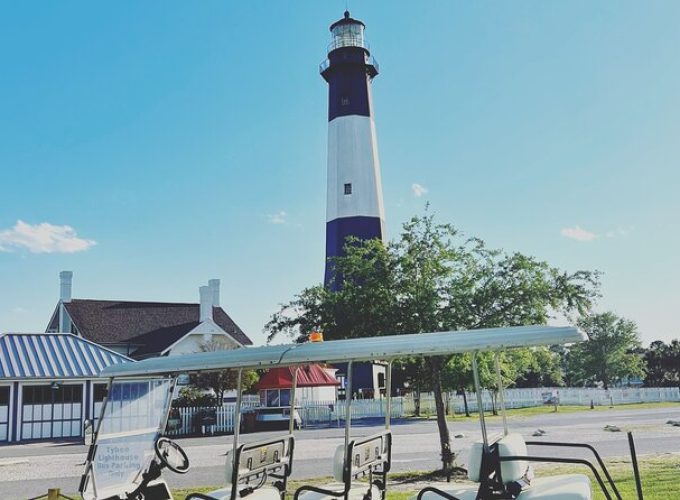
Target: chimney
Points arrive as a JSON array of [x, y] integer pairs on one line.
[[214, 285], [206, 303], [65, 282], [65, 292]]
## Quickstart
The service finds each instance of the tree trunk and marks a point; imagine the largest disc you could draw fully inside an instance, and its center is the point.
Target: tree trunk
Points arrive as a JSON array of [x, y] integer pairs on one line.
[[416, 401], [467, 410], [444, 438]]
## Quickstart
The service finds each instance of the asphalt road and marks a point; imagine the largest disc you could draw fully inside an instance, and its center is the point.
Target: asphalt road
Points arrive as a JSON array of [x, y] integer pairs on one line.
[[28, 470]]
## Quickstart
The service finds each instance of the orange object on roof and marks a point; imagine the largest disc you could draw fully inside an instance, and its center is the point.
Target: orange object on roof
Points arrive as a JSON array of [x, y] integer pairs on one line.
[[308, 376]]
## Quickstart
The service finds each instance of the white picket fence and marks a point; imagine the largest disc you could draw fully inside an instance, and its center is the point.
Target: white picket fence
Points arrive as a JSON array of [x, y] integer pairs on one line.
[[333, 412], [524, 398], [360, 408], [317, 413], [224, 414]]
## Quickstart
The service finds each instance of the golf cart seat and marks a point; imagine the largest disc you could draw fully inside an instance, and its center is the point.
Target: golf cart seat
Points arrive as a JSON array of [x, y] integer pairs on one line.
[[263, 493], [513, 473], [562, 487], [367, 456], [258, 463]]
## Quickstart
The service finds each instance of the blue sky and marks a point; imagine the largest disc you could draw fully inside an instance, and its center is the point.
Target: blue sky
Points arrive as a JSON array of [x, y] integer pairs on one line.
[[184, 141]]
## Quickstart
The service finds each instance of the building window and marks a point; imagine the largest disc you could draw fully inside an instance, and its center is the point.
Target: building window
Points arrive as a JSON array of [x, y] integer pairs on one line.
[[275, 397], [348, 188], [99, 392], [4, 397], [4, 414]]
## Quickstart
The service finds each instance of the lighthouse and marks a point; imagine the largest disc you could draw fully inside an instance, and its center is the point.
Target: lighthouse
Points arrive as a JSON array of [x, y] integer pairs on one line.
[[354, 192]]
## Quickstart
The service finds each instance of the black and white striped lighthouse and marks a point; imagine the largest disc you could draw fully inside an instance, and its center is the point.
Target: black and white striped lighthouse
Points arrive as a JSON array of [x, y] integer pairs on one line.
[[354, 197]]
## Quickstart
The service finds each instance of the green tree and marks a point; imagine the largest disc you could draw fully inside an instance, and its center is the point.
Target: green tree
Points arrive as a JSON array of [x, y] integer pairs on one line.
[[663, 364], [432, 279], [224, 380], [515, 366], [609, 355], [544, 369], [193, 396]]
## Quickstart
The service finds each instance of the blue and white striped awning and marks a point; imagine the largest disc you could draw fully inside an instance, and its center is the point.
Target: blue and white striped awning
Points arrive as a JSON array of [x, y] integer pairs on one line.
[[53, 355]]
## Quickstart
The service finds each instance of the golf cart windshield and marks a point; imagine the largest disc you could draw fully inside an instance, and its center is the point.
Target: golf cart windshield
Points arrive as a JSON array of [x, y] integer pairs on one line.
[[134, 415]]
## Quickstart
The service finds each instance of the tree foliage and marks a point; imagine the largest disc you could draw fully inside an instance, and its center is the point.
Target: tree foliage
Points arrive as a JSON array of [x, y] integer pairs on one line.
[[193, 396], [433, 279], [611, 353], [224, 380], [663, 364]]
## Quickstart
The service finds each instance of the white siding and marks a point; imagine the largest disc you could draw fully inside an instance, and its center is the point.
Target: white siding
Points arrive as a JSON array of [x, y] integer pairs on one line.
[[192, 343], [353, 159]]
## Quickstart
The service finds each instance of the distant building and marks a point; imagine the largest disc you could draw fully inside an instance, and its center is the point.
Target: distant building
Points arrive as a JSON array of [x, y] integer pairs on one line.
[[148, 329], [49, 384], [314, 384]]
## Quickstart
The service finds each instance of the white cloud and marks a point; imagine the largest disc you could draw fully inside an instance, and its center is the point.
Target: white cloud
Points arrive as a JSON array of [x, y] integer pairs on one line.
[[43, 238], [278, 218], [418, 190], [578, 233], [619, 232]]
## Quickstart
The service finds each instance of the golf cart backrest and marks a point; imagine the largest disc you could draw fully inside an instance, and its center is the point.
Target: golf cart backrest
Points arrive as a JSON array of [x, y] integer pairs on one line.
[[505, 446], [273, 458], [372, 453]]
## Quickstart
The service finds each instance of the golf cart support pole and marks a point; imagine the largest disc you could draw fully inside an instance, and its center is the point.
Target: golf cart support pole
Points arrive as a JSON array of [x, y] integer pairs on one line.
[[291, 417], [348, 406], [501, 397], [388, 395], [480, 405], [636, 470], [237, 413]]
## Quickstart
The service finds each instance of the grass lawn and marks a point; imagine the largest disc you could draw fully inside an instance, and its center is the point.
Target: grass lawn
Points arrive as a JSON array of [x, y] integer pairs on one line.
[[542, 410], [660, 479], [660, 476]]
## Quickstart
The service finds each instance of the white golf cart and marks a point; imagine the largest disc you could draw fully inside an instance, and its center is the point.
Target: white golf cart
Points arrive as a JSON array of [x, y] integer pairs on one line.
[[129, 452]]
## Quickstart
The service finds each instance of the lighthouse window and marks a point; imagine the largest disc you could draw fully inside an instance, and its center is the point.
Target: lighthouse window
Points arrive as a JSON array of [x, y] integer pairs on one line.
[[348, 188]]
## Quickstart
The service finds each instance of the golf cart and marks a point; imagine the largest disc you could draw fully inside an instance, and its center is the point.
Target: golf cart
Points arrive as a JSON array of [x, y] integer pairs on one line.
[[128, 455]]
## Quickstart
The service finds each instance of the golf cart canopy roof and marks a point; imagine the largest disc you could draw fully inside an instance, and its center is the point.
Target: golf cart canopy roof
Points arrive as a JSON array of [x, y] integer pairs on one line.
[[385, 348]]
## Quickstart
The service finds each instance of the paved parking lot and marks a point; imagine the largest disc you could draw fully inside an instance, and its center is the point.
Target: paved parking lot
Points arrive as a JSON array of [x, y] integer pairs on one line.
[[28, 470]]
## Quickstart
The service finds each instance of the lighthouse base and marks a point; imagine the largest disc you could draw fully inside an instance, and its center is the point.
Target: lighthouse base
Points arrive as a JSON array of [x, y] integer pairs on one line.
[[337, 231]]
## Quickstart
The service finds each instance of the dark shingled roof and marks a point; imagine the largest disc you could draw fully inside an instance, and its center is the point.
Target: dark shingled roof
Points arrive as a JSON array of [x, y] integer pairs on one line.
[[154, 326]]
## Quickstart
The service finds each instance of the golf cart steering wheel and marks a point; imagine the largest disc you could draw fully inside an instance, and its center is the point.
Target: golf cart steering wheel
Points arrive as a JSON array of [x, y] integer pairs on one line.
[[172, 455]]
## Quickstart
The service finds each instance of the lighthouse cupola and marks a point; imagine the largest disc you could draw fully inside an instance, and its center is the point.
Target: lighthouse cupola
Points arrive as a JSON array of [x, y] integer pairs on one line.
[[347, 32], [354, 192], [348, 46]]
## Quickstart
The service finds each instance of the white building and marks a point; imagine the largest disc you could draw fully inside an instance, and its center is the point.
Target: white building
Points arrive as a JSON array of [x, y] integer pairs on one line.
[[147, 329], [49, 384]]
